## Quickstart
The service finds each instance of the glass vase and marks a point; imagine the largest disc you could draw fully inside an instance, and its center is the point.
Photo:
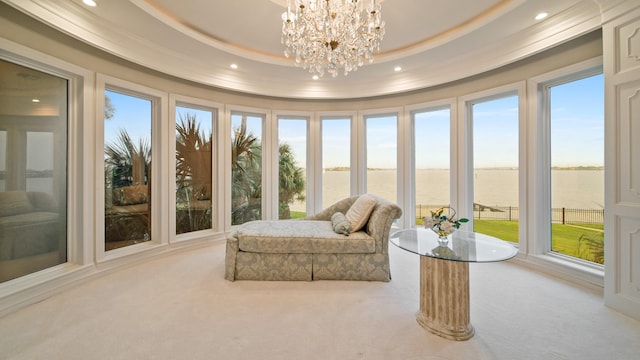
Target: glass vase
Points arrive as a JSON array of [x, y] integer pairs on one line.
[[443, 236], [443, 240]]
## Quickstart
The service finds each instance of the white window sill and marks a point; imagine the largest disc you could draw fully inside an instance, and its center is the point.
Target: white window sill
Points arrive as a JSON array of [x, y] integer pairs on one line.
[[579, 272]]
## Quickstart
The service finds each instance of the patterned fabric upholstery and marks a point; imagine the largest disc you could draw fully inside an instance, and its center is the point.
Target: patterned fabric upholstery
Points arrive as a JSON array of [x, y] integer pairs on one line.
[[308, 249], [300, 237]]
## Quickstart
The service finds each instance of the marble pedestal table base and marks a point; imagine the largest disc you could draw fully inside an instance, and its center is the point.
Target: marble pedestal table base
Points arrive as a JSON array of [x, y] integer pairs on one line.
[[444, 298]]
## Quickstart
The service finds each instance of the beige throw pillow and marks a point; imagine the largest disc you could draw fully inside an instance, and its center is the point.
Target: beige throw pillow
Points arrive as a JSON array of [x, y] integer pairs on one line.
[[359, 212]]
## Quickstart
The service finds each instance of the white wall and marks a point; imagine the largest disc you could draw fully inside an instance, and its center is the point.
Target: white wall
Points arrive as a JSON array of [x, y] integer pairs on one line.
[[17, 28]]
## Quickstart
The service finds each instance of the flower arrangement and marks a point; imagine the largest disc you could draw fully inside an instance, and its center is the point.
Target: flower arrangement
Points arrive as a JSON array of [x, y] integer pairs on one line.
[[443, 224]]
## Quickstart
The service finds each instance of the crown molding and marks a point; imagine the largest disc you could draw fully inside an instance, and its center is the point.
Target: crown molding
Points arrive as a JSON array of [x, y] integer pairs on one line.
[[460, 58]]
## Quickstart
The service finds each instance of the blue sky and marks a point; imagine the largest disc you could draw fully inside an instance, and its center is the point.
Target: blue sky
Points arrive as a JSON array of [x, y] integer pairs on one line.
[[204, 117], [495, 133], [577, 125], [577, 130], [132, 114], [432, 139], [336, 139]]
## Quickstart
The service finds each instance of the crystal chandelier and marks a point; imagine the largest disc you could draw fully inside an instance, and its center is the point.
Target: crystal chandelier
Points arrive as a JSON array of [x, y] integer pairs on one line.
[[329, 35]]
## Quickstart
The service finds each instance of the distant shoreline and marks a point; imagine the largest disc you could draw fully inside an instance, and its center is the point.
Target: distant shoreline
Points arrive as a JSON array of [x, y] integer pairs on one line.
[[573, 168]]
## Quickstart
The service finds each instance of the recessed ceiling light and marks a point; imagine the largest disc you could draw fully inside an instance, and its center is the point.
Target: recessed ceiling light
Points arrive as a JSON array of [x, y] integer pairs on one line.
[[315, 77], [234, 66], [89, 2], [397, 68], [35, 100], [541, 16]]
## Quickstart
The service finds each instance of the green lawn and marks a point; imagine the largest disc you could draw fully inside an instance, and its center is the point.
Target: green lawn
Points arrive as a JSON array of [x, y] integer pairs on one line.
[[298, 214], [582, 241], [502, 229]]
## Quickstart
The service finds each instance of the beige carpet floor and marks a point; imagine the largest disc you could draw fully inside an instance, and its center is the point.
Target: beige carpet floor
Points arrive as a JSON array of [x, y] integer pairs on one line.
[[180, 307]]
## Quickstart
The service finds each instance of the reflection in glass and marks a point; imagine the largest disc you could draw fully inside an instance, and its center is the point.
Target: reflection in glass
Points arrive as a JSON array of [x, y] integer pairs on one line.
[[127, 162], [3, 159], [246, 168], [33, 171], [336, 160], [495, 168], [382, 159], [432, 160], [444, 252], [38, 177], [292, 144], [193, 169]]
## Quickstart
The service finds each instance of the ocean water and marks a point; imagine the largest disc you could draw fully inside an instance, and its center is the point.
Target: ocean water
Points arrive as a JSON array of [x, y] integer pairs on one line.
[[576, 189]]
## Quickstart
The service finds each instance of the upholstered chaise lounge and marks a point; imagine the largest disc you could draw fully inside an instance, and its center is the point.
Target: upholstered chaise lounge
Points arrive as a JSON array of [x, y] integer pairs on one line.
[[309, 248]]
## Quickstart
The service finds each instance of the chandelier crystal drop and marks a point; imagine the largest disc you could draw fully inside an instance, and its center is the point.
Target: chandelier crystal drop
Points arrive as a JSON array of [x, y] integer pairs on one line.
[[329, 35]]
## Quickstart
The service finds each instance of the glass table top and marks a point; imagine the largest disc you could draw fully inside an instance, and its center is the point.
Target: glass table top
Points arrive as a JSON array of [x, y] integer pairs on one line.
[[463, 245]]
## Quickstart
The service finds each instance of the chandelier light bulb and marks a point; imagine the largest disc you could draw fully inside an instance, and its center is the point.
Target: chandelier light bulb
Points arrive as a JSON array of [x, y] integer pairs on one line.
[[329, 36]]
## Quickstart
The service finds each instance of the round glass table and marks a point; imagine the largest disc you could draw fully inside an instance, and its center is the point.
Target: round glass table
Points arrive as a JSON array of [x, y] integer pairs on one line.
[[444, 275]]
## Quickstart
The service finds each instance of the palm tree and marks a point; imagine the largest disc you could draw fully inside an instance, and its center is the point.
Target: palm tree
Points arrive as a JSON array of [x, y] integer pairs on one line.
[[193, 173], [126, 163], [246, 182], [591, 248], [291, 178], [129, 164]]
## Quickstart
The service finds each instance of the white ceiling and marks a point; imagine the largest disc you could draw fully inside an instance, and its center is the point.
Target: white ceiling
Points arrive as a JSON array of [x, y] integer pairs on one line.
[[434, 41]]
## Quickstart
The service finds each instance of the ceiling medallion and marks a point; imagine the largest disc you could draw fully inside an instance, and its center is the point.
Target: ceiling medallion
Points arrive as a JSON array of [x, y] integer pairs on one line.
[[329, 35]]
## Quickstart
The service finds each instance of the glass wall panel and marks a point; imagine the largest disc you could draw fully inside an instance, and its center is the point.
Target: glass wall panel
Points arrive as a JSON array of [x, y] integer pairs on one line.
[[495, 167], [246, 167], [336, 160], [292, 148], [577, 168], [432, 139], [40, 152], [382, 150], [194, 144], [3, 159], [33, 170], [127, 161]]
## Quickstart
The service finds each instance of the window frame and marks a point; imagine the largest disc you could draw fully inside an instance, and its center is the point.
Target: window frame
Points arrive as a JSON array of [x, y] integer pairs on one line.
[[362, 163], [159, 171], [269, 188], [409, 150], [79, 173], [354, 157], [309, 158], [217, 153], [539, 233], [465, 164]]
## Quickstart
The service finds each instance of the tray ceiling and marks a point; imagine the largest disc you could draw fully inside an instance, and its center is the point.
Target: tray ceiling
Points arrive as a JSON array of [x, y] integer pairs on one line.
[[433, 41]]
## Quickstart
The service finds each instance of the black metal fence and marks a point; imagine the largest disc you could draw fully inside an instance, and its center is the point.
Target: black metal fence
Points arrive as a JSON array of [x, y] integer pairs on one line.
[[577, 216], [512, 213]]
